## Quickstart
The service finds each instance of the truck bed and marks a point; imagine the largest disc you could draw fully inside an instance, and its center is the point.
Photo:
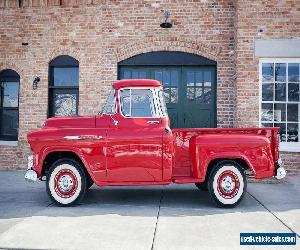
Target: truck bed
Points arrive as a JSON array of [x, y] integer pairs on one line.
[[182, 166]]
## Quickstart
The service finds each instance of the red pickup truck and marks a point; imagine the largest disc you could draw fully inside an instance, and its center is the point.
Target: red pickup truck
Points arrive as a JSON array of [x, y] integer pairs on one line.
[[131, 143]]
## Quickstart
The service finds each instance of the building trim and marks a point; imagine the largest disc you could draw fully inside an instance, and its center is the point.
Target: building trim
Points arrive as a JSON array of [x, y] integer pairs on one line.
[[277, 48]]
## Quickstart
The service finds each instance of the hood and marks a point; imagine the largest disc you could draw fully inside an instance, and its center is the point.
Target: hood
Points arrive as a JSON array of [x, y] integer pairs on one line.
[[71, 122]]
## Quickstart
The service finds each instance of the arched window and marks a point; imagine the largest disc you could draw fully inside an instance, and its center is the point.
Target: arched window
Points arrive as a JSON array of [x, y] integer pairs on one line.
[[63, 86], [9, 105]]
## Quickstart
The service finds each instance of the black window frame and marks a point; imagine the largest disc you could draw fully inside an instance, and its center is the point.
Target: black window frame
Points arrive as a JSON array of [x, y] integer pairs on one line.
[[8, 75], [63, 61]]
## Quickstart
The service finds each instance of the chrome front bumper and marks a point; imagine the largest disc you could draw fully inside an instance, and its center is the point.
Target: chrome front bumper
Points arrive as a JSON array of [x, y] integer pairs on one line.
[[280, 172], [30, 175]]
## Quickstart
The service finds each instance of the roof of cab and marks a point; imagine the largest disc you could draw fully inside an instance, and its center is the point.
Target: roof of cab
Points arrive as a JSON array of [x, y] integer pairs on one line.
[[136, 83]]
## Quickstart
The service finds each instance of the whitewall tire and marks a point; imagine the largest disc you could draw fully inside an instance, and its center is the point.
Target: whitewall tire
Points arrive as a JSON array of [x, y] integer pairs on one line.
[[227, 183], [66, 182]]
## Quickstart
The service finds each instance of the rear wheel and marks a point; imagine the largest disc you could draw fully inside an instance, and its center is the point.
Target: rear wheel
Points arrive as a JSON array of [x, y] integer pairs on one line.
[[227, 183], [66, 182]]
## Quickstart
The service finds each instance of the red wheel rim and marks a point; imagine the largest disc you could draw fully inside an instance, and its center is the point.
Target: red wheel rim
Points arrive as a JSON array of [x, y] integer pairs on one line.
[[228, 184], [65, 183]]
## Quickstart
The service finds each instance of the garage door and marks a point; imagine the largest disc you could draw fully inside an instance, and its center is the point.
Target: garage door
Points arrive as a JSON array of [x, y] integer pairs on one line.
[[190, 91]]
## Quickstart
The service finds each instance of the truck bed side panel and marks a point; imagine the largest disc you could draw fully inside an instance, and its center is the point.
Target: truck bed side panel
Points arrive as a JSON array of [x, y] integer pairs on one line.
[[196, 148]]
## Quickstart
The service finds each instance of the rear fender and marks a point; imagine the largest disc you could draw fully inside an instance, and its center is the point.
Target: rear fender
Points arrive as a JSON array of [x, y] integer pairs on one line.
[[255, 150]]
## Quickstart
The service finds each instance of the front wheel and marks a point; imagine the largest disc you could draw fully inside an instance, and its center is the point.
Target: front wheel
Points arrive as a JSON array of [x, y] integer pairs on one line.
[[66, 182], [227, 183]]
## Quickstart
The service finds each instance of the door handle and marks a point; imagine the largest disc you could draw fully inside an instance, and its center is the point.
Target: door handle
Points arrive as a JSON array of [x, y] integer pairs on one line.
[[152, 122]]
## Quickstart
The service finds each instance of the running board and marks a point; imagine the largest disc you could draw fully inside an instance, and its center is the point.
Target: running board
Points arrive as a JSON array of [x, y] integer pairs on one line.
[[185, 180]]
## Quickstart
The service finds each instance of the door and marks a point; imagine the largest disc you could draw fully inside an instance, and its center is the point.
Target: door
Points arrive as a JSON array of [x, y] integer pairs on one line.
[[135, 144], [199, 97], [190, 92]]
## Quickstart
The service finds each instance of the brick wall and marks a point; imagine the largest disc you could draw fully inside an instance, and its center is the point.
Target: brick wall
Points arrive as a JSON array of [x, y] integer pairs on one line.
[[99, 34], [261, 20]]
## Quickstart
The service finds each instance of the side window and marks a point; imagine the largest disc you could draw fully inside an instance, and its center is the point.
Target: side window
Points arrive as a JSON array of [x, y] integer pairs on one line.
[[137, 103], [110, 105], [63, 86], [9, 105]]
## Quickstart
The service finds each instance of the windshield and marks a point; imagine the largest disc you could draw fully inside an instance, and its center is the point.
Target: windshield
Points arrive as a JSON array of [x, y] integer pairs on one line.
[[110, 105]]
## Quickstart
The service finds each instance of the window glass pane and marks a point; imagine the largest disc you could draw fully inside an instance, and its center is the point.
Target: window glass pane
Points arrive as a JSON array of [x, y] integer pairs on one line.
[[163, 103], [66, 76], [292, 132], [135, 75], [166, 78], [142, 75], [190, 78], [279, 112], [267, 72], [282, 131], [10, 123], [167, 94], [280, 72], [190, 94], [174, 95], [174, 78], [137, 103], [267, 91], [280, 92], [293, 92], [142, 103], [65, 104], [207, 77], [198, 95], [292, 112], [285, 97], [158, 75], [207, 96], [10, 94], [199, 79], [293, 72], [125, 102], [267, 125], [110, 107], [267, 112], [127, 75]]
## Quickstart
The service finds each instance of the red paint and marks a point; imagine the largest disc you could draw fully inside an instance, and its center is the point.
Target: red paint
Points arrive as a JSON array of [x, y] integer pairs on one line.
[[236, 184], [136, 83], [58, 177], [135, 152]]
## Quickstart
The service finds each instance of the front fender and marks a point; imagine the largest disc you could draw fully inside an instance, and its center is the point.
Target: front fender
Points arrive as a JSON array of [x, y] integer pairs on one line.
[[41, 156]]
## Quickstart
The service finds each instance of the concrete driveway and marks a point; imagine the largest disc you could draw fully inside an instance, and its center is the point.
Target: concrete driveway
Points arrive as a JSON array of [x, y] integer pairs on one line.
[[171, 217]]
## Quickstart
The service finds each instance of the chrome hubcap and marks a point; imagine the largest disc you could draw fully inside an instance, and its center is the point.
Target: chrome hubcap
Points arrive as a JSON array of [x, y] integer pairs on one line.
[[227, 184], [65, 183]]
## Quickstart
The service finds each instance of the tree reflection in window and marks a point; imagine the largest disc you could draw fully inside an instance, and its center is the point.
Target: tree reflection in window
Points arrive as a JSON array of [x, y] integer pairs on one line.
[[65, 104], [280, 99], [63, 86]]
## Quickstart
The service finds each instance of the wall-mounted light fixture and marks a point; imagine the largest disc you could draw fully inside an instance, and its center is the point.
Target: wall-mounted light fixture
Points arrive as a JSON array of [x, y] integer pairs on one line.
[[166, 24], [35, 82]]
